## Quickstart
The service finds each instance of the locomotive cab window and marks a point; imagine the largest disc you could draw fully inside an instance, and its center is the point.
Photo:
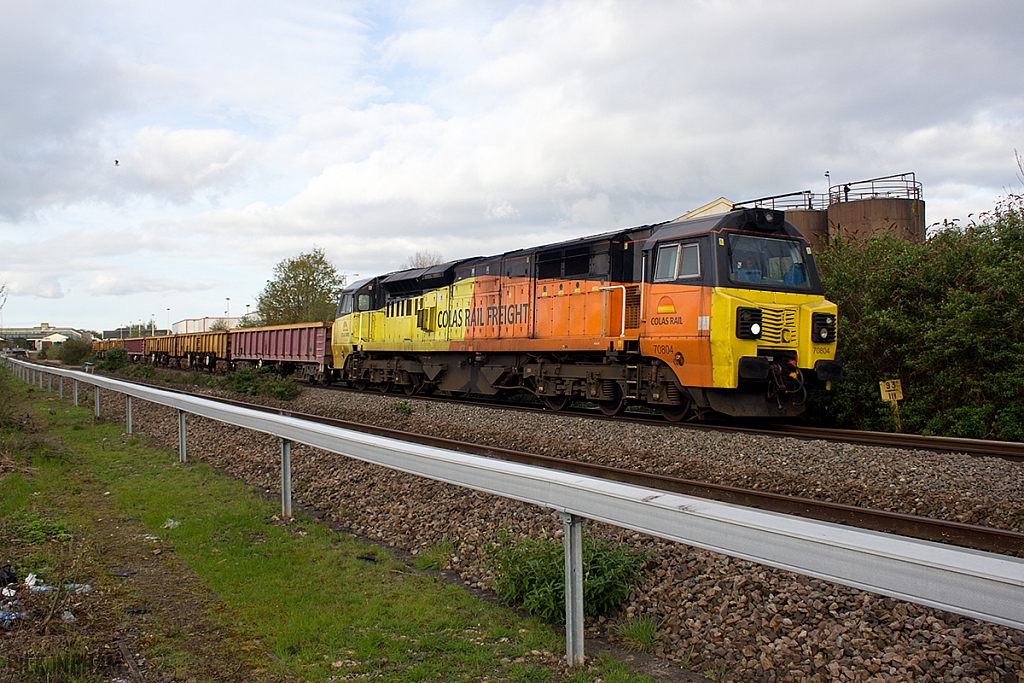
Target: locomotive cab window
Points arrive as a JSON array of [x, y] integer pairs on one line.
[[677, 262], [345, 307], [767, 261], [363, 302]]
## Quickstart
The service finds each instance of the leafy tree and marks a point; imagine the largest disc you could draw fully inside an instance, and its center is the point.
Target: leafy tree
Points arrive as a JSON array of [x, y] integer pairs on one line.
[[945, 317], [305, 288], [3, 295], [423, 259], [219, 325]]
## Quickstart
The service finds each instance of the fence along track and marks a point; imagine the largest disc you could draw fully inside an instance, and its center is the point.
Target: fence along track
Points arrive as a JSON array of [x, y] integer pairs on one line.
[[972, 583]]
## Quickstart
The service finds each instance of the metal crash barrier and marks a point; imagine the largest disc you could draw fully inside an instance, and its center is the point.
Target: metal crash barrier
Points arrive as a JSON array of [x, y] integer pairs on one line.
[[971, 583]]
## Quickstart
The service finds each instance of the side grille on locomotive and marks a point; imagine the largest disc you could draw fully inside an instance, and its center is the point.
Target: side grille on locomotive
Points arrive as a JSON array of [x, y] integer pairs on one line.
[[778, 326], [632, 307]]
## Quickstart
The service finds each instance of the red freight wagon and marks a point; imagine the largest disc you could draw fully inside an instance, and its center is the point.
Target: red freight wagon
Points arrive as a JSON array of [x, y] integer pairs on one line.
[[135, 347], [304, 348]]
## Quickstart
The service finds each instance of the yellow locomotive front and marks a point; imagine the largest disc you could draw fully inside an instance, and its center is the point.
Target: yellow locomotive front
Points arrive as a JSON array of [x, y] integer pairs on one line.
[[737, 311]]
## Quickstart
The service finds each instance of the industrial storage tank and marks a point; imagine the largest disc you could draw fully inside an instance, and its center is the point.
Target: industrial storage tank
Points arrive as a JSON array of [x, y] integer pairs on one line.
[[890, 205]]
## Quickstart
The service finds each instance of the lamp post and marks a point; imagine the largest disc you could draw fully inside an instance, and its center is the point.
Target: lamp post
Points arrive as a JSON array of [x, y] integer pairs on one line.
[[228, 312], [168, 321]]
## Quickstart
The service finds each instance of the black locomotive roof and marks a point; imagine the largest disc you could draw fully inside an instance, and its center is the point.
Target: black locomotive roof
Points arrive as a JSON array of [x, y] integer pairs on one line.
[[764, 221], [418, 279], [627, 234]]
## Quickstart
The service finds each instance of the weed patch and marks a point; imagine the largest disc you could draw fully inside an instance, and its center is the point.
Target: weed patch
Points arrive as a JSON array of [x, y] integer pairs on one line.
[[435, 557], [639, 633], [531, 572], [261, 382]]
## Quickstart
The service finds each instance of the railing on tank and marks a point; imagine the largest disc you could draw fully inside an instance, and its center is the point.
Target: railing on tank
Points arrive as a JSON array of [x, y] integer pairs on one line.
[[901, 186], [790, 200]]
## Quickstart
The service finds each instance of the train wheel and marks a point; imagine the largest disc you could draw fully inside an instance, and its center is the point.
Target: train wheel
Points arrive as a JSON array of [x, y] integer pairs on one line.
[[384, 387], [557, 403], [613, 401], [359, 385], [413, 386], [676, 413]]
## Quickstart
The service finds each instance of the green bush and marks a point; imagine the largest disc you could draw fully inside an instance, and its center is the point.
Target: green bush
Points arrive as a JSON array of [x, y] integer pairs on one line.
[[261, 382], [945, 317], [114, 360], [74, 351], [531, 573], [140, 371]]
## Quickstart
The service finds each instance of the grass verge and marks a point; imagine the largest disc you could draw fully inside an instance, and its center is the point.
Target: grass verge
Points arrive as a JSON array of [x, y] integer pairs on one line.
[[195, 571]]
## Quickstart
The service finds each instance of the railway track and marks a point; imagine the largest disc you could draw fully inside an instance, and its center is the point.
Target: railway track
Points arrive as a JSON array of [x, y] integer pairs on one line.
[[942, 531], [1010, 450]]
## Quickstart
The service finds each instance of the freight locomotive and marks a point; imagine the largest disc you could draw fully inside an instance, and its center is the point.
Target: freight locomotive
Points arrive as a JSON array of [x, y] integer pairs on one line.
[[715, 314]]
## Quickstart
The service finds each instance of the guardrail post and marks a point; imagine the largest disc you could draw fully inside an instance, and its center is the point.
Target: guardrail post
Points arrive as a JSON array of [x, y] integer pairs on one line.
[[76, 393], [573, 543], [128, 413], [286, 478], [49, 383], [60, 386], [182, 455], [97, 401]]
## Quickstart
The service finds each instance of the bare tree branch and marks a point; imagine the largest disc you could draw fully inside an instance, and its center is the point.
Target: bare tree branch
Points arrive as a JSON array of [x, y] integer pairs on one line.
[[423, 259]]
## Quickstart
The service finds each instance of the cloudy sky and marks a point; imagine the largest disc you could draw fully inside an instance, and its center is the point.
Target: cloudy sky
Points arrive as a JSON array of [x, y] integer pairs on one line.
[[247, 132]]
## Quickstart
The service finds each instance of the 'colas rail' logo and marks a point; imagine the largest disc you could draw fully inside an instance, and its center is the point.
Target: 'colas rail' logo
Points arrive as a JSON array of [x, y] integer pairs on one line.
[[666, 309]]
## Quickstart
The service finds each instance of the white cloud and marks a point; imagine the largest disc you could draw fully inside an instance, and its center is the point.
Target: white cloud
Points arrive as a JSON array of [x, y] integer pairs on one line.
[[177, 163], [125, 283], [499, 210], [36, 287]]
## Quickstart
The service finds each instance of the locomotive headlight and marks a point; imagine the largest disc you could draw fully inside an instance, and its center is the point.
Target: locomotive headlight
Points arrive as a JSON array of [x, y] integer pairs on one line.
[[823, 328], [748, 323]]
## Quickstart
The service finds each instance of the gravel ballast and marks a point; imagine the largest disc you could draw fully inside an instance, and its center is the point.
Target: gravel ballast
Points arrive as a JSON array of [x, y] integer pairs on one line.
[[725, 618]]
